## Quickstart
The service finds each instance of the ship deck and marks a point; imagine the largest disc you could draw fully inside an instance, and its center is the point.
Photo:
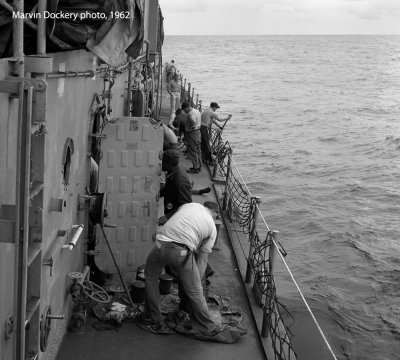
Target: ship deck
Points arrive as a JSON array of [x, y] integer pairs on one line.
[[130, 342]]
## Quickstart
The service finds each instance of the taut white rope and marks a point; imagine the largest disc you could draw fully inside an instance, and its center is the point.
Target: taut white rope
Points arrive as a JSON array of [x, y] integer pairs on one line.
[[288, 269]]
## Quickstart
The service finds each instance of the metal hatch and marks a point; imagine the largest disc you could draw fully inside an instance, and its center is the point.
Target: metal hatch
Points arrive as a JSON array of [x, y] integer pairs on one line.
[[129, 174]]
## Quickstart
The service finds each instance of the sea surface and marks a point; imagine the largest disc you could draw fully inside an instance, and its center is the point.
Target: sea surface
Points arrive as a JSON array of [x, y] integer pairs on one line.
[[316, 134]]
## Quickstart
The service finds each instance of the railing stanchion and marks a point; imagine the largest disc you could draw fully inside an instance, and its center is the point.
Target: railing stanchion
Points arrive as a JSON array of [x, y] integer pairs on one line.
[[182, 99], [228, 171], [183, 95], [272, 253], [216, 167], [249, 270], [217, 150], [188, 93], [269, 303]]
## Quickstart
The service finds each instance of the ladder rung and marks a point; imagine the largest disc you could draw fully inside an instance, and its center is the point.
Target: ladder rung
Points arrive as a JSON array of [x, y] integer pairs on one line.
[[33, 251], [97, 135], [31, 307], [36, 188]]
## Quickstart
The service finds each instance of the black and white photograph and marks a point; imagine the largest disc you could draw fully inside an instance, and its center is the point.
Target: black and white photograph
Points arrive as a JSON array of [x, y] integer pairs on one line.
[[204, 179]]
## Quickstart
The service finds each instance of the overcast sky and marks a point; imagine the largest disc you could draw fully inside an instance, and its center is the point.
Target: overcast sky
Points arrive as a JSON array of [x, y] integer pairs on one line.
[[252, 17]]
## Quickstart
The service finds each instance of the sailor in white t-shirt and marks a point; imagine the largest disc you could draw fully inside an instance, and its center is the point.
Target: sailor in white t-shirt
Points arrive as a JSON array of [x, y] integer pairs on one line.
[[183, 244], [194, 227]]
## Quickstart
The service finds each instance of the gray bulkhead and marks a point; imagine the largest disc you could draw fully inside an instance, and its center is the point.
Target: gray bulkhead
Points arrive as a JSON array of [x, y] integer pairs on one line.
[[61, 164]]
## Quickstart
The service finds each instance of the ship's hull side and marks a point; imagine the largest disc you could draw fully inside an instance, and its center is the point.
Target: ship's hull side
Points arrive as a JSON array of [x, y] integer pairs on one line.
[[60, 161]]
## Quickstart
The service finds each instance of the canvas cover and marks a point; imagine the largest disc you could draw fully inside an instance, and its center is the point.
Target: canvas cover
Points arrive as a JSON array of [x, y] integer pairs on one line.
[[107, 36]]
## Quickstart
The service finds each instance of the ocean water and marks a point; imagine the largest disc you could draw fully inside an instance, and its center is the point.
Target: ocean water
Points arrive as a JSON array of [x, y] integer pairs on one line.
[[316, 134]]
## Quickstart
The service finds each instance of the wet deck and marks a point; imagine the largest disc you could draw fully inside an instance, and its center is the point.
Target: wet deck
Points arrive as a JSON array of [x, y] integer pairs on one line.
[[130, 342]]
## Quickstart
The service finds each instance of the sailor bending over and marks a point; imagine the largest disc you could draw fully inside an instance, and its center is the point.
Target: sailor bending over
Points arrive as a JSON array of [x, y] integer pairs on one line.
[[184, 244]]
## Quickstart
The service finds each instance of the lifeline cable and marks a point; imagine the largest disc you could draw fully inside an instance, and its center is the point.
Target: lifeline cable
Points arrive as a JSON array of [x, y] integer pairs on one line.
[[240, 205], [301, 294], [262, 278]]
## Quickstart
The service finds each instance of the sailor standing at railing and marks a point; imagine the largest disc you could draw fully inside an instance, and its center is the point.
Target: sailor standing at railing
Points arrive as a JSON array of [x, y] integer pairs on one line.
[[174, 90], [193, 137], [208, 117], [169, 70]]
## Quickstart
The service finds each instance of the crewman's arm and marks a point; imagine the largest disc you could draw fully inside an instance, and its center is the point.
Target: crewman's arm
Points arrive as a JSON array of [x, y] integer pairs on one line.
[[201, 261], [215, 118], [184, 193], [162, 189], [205, 249]]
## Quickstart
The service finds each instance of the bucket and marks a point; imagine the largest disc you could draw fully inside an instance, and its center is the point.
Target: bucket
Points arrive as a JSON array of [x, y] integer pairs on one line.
[[140, 273], [138, 291], [165, 284]]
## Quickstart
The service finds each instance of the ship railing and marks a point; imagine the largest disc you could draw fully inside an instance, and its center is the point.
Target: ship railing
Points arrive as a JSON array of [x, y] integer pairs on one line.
[[187, 94], [261, 251]]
